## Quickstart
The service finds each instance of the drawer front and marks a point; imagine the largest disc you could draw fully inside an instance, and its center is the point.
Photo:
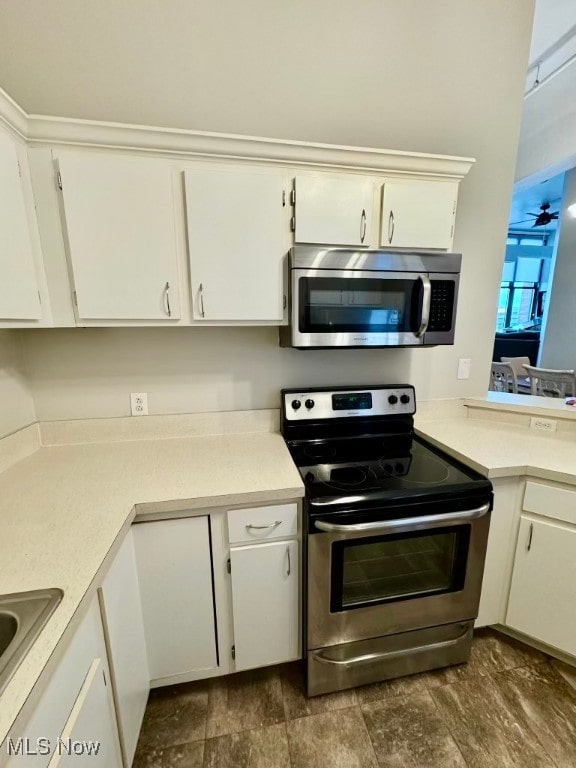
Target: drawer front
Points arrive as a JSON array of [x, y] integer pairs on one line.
[[549, 501], [262, 523]]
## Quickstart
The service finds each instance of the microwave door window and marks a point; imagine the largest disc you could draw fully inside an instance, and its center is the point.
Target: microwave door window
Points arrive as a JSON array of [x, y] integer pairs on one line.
[[335, 304]]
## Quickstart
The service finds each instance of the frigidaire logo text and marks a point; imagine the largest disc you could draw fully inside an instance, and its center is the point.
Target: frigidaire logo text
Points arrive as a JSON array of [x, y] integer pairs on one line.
[[45, 746]]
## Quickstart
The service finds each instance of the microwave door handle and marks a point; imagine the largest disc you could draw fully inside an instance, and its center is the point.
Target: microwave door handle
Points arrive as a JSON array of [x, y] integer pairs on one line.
[[405, 523], [425, 308]]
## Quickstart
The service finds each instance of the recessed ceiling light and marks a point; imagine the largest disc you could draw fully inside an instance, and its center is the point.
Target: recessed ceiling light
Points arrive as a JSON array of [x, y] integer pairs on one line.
[[572, 210]]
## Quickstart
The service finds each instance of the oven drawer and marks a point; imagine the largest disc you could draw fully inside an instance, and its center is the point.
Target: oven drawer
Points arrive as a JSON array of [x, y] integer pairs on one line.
[[262, 523]]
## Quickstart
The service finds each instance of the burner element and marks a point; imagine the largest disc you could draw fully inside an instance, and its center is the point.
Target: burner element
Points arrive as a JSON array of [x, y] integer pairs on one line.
[[348, 476]]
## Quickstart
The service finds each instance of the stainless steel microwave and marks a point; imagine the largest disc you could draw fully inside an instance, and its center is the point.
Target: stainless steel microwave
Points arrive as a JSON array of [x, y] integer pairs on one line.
[[346, 298]]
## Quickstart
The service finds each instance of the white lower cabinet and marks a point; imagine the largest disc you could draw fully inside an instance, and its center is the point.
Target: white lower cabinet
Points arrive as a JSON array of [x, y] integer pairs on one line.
[[543, 592], [89, 737], [76, 704], [124, 631], [174, 562], [265, 603]]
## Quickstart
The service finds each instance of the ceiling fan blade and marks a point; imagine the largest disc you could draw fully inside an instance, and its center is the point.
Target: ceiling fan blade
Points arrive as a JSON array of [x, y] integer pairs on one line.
[[514, 223]]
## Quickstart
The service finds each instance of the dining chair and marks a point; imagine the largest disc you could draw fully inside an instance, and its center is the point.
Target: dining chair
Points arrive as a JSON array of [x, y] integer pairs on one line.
[[518, 366], [503, 378], [548, 382]]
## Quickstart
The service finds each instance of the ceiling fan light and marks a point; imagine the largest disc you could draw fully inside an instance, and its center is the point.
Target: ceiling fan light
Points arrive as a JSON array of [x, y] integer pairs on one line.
[[572, 210]]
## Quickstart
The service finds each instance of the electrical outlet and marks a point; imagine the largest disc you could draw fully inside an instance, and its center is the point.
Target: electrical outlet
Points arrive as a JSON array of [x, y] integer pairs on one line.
[[544, 425], [464, 365], [139, 403]]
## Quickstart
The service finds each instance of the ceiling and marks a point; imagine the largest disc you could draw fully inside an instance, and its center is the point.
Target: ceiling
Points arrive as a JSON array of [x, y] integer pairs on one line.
[[552, 19], [530, 200]]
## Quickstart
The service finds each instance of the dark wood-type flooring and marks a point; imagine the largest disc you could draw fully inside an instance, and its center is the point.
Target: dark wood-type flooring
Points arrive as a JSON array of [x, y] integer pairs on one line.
[[508, 707]]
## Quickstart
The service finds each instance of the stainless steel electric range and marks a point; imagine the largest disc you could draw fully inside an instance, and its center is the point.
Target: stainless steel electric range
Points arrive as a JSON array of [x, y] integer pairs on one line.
[[395, 537]]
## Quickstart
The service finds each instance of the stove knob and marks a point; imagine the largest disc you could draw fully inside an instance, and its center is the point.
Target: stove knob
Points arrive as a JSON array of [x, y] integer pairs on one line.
[[405, 399], [392, 399], [296, 404], [309, 404], [399, 468], [309, 477]]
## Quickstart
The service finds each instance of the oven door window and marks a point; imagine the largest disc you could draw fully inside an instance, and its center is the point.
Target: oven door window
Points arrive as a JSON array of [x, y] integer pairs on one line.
[[384, 569], [343, 305]]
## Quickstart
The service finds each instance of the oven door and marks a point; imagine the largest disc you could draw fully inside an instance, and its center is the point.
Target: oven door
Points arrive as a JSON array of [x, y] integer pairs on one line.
[[358, 308], [387, 576]]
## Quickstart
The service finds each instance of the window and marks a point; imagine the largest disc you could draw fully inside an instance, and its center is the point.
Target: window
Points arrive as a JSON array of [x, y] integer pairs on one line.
[[522, 294]]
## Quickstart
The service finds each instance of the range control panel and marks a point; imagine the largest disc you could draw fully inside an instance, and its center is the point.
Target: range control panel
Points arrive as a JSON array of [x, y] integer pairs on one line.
[[341, 403]]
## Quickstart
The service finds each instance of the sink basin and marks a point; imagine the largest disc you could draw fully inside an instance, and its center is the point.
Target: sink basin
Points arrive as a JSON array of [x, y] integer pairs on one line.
[[22, 617]]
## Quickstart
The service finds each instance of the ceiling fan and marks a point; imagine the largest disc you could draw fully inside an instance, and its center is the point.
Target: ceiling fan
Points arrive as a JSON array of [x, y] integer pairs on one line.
[[540, 219]]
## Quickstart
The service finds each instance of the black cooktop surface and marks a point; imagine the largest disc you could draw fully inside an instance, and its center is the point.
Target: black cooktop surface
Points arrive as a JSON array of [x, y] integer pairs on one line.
[[372, 468]]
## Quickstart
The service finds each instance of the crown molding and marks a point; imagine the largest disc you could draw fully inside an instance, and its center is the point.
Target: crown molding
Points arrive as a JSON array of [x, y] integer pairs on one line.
[[45, 129]]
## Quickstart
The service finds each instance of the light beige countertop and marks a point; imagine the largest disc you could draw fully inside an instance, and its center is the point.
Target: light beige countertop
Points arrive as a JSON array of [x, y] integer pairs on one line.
[[64, 510]]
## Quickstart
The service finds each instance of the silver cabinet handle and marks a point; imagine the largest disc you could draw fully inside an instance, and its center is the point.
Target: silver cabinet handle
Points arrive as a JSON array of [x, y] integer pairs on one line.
[[201, 295], [363, 225], [425, 313], [530, 534], [390, 226], [368, 657], [167, 300], [289, 571], [413, 523], [251, 527]]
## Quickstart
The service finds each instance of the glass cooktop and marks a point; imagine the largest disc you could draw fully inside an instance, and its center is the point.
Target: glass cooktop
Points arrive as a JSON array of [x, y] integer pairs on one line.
[[376, 468]]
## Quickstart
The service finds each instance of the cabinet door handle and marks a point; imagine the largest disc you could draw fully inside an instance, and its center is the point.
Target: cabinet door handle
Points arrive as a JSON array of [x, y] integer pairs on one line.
[[289, 571], [530, 533], [201, 295], [167, 300], [390, 226], [251, 527], [363, 225]]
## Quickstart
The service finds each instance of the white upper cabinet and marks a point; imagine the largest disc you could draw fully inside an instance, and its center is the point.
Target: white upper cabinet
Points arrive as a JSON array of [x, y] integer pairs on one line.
[[120, 226], [19, 297], [332, 210], [237, 239], [418, 214]]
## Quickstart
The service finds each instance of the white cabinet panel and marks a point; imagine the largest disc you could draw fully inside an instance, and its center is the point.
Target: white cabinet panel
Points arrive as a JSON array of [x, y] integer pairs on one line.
[[124, 629], [176, 591], [418, 214], [550, 501], [543, 592], [265, 603], [236, 240], [90, 737], [246, 526], [119, 216], [333, 210], [19, 299]]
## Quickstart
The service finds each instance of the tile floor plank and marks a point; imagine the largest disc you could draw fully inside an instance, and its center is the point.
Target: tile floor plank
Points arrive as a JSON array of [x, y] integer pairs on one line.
[[244, 701], [549, 704], [409, 732], [259, 748], [337, 739], [175, 715], [490, 732]]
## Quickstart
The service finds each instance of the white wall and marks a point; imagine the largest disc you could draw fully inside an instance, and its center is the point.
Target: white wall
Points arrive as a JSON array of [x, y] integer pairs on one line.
[[559, 347], [16, 405], [442, 77]]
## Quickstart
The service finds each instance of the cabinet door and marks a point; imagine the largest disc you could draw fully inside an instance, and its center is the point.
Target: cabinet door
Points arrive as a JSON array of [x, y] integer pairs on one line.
[[418, 214], [19, 298], [265, 579], [90, 737], [543, 592], [120, 224], [124, 630], [332, 210], [176, 591], [236, 243]]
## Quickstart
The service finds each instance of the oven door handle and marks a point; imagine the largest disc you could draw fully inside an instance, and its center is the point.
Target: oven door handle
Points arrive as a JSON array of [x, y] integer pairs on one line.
[[369, 657], [405, 523]]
